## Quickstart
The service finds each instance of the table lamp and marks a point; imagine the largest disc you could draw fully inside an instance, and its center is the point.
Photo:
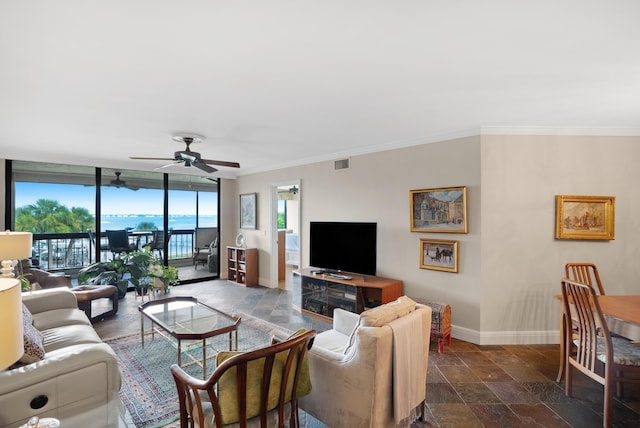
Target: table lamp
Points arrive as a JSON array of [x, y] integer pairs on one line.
[[13, 245], [10, 322]]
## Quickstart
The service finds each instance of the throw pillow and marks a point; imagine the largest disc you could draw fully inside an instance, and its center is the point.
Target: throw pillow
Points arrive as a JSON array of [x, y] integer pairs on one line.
[[33, 343], [384, 314], [26, 315], [227, 388]]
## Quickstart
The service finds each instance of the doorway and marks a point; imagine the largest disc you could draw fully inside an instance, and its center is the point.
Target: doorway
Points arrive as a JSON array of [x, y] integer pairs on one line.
[[285, 221]]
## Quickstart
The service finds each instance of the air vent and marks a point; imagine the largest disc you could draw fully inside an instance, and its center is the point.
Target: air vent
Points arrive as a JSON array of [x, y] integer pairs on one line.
[[341, 164]]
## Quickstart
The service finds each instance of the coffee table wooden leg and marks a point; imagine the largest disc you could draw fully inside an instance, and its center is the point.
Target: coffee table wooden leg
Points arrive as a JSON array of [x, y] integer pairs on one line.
[[179, 352], [142, 329]]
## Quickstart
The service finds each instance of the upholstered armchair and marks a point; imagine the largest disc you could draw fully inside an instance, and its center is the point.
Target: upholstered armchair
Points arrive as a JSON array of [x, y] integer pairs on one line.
[[370, 370], [41, 278]]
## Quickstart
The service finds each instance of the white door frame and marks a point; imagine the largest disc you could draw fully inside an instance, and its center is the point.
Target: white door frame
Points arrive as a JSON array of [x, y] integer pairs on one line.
[[274, 225]]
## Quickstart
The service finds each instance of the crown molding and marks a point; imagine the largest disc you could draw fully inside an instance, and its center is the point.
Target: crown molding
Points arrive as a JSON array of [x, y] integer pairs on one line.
[[553, 130]]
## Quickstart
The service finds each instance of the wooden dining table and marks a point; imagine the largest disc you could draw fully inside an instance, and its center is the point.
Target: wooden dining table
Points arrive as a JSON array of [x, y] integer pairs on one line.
[[622, 313]]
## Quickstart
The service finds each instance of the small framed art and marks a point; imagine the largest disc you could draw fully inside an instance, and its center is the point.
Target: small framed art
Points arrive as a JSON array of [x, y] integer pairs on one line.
[[248, 211], [585, 217], [439, 210], [437, 254]]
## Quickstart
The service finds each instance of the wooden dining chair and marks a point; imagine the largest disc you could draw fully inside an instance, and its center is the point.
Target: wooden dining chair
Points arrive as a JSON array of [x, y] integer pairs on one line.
[[602, 358], [584, 273], [255, 388]]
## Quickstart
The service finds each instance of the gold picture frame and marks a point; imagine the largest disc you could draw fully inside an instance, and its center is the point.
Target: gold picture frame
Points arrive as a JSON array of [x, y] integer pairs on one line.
[[585, 217], [438, 254], [439, 210]]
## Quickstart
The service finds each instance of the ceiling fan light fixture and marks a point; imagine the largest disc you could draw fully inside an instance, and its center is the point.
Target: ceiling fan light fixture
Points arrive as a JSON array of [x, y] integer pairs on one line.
[[188, 138]]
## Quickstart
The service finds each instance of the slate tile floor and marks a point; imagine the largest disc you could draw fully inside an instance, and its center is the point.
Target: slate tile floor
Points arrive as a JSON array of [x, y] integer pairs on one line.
[[467, 385]]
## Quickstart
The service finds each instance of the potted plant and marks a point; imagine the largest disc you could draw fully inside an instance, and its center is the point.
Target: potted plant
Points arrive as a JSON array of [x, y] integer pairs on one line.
[[125, 268], [160, 276]]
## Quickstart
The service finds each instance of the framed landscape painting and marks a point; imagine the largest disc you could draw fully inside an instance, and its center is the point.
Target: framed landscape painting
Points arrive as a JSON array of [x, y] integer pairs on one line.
[[248, 211], [439, 210], [585, 217], [436, 254]]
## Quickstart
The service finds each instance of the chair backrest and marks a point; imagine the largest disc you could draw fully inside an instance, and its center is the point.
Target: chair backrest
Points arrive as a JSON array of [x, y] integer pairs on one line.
[[92, 236], [204, 236], [588, 326], [272, 374], [118, 240], [584, 273], [157, 239]]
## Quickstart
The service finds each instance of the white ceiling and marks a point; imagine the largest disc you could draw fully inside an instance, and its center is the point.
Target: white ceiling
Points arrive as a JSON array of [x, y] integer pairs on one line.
[[274, 83]]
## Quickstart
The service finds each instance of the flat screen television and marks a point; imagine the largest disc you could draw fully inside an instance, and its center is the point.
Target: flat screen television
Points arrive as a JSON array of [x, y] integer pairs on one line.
[[343, 246]]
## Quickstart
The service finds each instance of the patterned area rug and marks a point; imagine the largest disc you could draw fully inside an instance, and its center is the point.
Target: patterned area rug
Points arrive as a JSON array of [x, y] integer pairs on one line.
[[148, 390]]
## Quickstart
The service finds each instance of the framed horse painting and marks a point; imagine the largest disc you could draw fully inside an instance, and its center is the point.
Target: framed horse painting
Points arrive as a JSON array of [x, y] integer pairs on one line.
[[585, 217], [437, 254]]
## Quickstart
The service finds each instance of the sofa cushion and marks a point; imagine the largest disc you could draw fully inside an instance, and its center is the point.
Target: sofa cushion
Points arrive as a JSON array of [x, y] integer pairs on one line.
[[377, 317], [33, 341], [67, 335], [59, 317]]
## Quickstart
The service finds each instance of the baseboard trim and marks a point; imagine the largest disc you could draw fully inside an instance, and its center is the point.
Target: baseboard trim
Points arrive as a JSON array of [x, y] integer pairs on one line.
[[506, 337]]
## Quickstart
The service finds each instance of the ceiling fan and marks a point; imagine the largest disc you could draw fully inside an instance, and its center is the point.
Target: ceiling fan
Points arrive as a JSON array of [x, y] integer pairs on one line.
[[118, 183], [191, 158]]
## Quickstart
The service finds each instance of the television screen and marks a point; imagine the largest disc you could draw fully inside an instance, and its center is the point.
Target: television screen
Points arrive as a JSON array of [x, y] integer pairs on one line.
[[343, 246]]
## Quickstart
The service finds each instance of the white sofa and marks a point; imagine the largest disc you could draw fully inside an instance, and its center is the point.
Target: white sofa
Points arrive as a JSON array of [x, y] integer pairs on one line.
[[78, 379], [352, 367]]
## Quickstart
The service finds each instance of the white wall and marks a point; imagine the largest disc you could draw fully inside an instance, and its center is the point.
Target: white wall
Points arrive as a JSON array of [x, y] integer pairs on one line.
[[522, 263]]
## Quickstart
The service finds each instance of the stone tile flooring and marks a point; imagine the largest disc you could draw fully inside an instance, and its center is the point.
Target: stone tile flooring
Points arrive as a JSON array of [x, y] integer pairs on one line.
[[467, 385]]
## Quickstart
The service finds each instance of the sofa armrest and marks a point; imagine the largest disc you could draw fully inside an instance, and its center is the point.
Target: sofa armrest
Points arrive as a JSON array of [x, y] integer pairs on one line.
[[49, 299], [344, 321], [77, 376]]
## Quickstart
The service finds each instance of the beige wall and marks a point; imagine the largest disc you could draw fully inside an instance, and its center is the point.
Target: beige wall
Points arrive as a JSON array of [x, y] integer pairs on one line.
[[522, 263], [376, 188]]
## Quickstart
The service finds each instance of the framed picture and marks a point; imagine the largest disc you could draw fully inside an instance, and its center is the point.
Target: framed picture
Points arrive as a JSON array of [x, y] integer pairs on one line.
[[248, 211], [439, 210], [585, 217], [437, 254]]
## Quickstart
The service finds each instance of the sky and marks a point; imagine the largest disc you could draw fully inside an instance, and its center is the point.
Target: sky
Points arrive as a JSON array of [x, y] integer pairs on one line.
[[114, 201]]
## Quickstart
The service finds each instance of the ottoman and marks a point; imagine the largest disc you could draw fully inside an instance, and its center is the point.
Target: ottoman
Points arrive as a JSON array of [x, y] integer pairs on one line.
[[86, 294]]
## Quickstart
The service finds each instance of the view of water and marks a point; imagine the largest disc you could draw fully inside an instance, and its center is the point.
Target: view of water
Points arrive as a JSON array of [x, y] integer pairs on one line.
[[118, 222]]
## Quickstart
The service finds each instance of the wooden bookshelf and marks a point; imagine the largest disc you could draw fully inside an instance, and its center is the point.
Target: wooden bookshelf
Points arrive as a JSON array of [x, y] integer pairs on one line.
[[242, 265]]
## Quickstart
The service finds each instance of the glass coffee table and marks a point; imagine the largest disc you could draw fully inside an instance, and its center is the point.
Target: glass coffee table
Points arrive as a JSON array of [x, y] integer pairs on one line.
[[185, 318]]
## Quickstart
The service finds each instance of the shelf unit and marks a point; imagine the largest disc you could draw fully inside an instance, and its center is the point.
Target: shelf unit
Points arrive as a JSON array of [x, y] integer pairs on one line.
[[320, 294], [242, 265]]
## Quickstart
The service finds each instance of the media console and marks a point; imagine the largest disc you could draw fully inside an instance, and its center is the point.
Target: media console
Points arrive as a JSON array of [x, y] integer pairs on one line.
[[322, 292]]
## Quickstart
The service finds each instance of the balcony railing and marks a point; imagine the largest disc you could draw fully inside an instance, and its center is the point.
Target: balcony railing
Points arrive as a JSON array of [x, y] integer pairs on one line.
[[68, 251]]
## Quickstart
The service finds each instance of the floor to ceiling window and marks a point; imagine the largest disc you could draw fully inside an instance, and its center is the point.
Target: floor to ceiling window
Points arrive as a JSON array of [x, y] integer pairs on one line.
[[69, 215]]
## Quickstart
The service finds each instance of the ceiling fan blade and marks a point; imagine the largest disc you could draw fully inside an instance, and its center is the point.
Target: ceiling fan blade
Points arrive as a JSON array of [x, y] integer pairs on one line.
[[140, 158], [220, 163], [204, 167], [169, 164]]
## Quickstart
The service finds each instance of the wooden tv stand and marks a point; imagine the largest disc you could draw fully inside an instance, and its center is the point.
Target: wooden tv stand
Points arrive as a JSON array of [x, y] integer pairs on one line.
[[321, 294]]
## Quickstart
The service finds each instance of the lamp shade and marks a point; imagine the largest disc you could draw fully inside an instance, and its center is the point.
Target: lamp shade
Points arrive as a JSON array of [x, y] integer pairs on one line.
[[11, 336], [15, 245]]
